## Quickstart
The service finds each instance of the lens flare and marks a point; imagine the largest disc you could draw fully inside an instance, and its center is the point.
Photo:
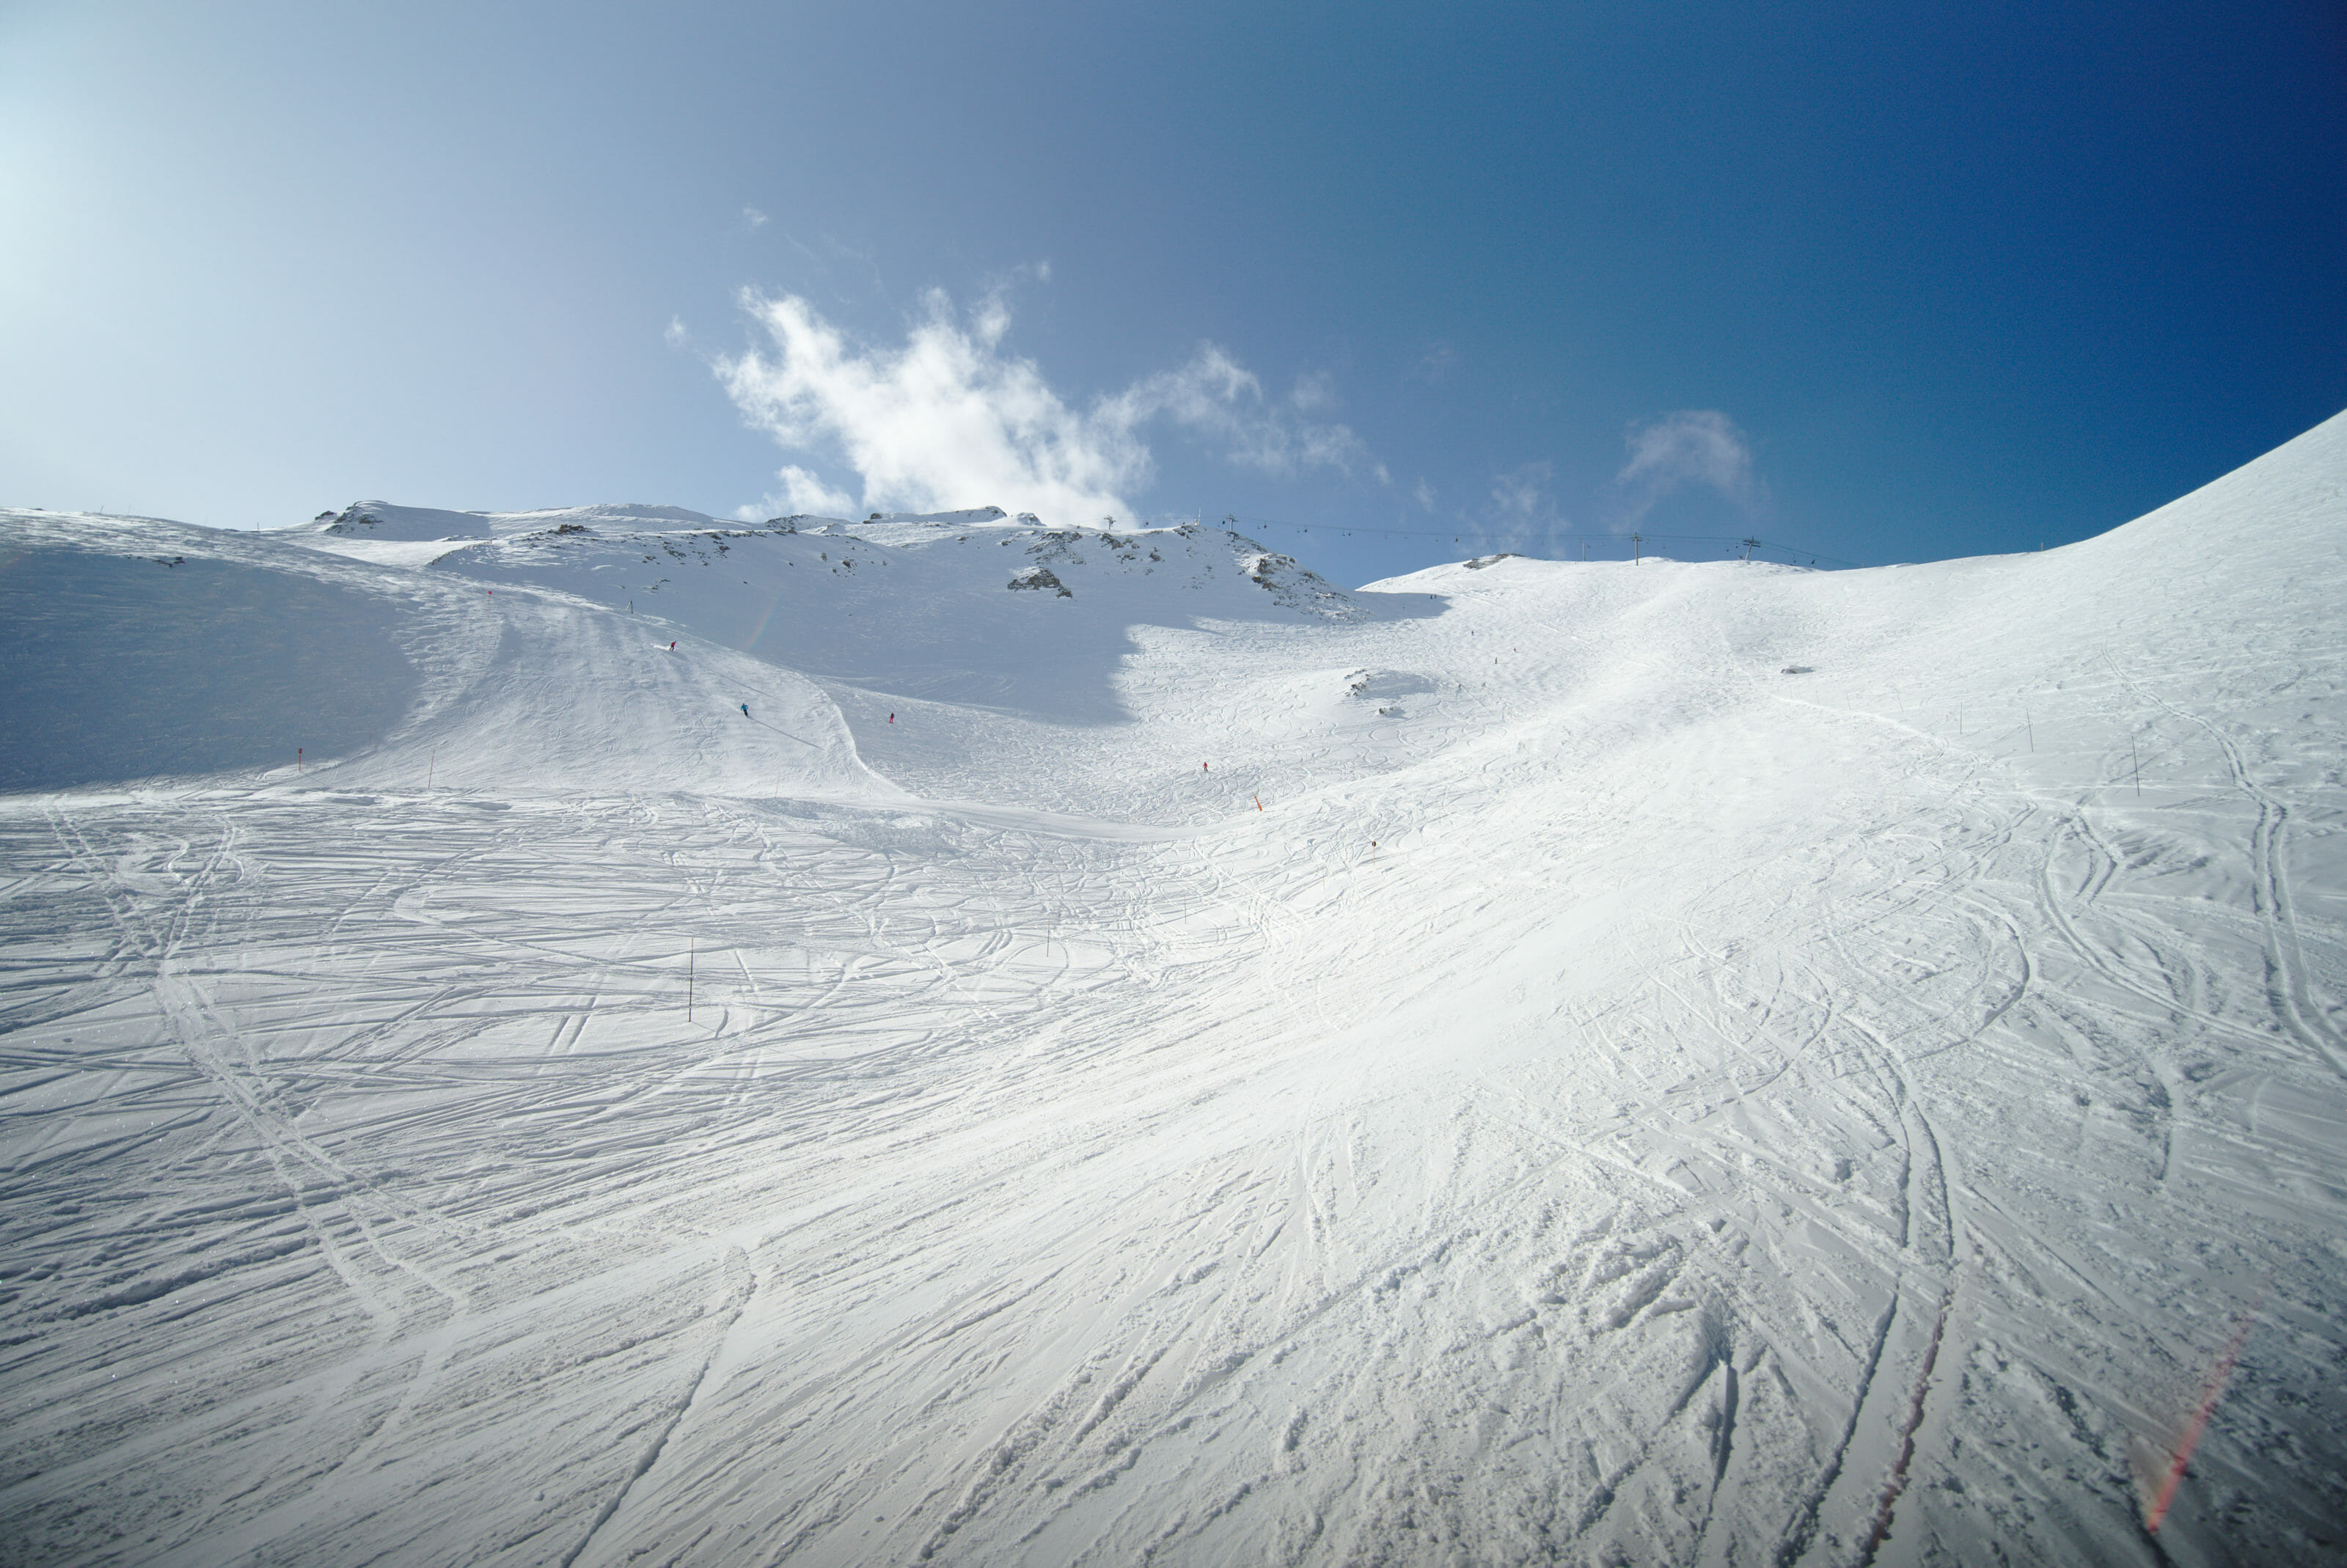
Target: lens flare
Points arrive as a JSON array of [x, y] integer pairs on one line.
[[2212, 1391]]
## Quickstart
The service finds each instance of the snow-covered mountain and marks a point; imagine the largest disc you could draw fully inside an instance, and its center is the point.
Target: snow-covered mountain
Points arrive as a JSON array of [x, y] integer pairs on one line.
[[595, 1033]]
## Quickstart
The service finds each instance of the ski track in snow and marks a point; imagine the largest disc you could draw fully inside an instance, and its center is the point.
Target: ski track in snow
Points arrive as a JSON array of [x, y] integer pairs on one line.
[[1725, 1118]]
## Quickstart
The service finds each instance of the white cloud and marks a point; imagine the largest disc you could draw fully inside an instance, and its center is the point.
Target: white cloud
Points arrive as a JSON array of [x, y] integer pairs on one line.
[[950, 419], [1220, 399], [1435, 365], [1521, 496], [754, 219], [803, 491], [1423, 493], [1523, 511], [946, 420], [800, 493], [1692, 447]]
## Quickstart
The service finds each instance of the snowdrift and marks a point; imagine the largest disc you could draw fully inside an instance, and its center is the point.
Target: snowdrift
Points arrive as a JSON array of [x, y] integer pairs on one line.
[[1126, 1050]]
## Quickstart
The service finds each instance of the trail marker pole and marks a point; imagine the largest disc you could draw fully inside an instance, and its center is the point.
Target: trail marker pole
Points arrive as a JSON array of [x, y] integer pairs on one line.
[[2032, 725], [2137, 757], [1637, 540], [297, 759]]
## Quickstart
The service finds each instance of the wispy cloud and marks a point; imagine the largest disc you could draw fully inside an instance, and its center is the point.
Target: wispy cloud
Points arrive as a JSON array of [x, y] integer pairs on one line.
[[1523, 511], [800, 492], [947, 420], [1218, 398], [1435, 365], [754, 219], [952, 419], [1521, 494], [1697, 447]]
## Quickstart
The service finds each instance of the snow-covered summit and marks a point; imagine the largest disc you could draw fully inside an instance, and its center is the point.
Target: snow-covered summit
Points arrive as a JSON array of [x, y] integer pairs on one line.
[[891, 527], [976, 604], [387, 522], [405, 525]]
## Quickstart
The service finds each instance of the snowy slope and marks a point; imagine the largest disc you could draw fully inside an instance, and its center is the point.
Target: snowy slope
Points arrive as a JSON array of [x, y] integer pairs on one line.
[[1615, 1099], [135, 648]]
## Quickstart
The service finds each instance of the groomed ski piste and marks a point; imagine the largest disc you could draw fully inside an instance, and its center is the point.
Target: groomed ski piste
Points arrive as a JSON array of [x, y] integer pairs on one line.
[[1126, 1052]]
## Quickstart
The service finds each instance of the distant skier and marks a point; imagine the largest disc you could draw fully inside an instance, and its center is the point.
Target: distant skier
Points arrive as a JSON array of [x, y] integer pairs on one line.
[[745, 710], [892, 718], [672, 648]]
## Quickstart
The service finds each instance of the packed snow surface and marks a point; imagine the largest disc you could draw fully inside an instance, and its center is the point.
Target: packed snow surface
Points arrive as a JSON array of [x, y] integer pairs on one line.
[[1125, 1051]]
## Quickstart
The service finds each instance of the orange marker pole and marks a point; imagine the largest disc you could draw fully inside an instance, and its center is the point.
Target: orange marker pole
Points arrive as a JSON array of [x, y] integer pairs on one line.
[[1259, 802]]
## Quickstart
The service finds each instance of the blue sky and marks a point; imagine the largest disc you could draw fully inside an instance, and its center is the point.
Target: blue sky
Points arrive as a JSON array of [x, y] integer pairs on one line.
[[1886, 281]]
